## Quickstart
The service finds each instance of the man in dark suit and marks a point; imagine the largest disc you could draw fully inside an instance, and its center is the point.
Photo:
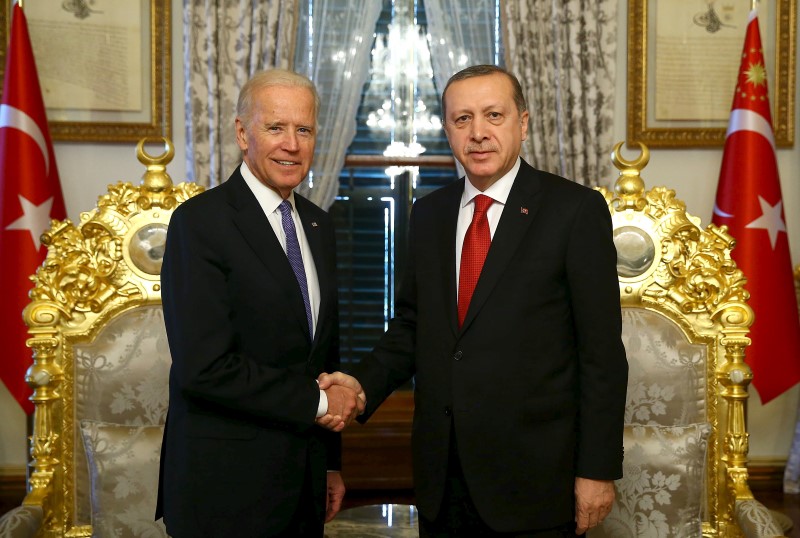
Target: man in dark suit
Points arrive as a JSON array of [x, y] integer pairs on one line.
[[520, 372], [250, 304]]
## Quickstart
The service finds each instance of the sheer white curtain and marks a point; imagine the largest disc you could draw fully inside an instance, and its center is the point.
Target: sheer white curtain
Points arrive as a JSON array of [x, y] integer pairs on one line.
[[564, 53], [333, 49], [461, 33], [226, 41]]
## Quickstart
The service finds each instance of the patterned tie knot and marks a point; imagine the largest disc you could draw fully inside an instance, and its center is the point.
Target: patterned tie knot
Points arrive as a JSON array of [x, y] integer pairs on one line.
[[285, 207], [482, 203]]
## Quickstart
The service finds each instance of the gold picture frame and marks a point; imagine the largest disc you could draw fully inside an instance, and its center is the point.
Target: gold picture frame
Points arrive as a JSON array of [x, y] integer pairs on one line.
[[778, 17], [146, 109]]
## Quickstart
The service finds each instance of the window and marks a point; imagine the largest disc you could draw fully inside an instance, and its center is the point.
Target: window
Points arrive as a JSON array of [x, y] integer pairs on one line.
[[399, 154]]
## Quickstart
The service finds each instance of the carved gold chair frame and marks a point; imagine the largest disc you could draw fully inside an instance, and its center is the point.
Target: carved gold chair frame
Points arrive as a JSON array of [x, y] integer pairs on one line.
[[93, 272], [686, 273]]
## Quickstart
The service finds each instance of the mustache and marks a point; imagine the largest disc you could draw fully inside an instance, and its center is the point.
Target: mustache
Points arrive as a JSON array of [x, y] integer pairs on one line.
[[480, 148]]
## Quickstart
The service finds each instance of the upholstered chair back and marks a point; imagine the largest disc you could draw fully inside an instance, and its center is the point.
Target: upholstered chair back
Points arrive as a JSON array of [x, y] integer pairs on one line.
[[685, 330], [101, 360]]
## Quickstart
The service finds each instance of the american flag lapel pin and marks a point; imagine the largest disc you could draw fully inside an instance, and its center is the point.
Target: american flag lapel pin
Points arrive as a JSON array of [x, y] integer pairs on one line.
[[314, 223], [523, 210]]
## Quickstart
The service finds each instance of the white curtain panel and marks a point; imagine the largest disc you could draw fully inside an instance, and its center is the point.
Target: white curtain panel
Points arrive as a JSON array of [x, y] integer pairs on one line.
[[564, 53], [225, 42], [461, 33], [333, 50]]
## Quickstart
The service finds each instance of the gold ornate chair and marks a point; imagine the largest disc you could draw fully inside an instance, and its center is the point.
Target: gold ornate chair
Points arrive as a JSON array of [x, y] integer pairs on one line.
[[685, 326], [101, 365]]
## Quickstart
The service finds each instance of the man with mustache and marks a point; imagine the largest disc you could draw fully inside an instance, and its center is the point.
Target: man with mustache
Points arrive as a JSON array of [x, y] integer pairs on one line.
[[251, 310], [508, 318]]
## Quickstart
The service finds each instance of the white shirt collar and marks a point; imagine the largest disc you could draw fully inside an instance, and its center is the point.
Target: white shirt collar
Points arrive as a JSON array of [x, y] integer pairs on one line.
[[498, 191], [268, 199]]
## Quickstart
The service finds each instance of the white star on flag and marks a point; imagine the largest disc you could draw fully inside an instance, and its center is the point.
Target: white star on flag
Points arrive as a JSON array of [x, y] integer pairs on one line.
[[35, 218], [770, 220]]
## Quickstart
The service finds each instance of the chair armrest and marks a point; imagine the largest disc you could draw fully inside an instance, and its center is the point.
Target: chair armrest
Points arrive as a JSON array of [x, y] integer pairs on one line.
[[21, 522], [755, 520]]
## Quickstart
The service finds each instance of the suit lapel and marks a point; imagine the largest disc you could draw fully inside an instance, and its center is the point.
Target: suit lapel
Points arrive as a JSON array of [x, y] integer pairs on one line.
[[519, 212], [449, 214], [254, 226]]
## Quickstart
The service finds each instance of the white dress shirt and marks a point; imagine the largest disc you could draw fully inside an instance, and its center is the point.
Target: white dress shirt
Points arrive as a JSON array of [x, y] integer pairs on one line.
[[269, 201]]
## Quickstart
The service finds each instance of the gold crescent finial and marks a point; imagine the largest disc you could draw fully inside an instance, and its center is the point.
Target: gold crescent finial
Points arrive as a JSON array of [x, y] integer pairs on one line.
[[637, 164], [629, 184], [156, 177]]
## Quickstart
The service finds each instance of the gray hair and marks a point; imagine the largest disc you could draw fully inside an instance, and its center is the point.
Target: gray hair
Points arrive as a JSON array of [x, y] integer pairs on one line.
[[482, 71], [272, 77]]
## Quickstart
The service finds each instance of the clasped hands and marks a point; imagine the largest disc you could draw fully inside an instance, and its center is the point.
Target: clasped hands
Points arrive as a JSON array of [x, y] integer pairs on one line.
[[346, 400]]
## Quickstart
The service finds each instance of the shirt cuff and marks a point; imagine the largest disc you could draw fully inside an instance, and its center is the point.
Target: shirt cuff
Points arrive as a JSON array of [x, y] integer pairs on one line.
[[322, 408]]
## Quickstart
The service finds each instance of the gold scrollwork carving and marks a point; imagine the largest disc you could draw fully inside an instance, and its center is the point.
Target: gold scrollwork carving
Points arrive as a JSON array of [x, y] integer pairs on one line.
[[695, 264], [85, 276]]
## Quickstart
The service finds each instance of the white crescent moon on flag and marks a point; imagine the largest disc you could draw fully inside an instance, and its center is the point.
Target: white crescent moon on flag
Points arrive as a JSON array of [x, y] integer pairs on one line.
[[721, 213], [17, 119], [747, 120]]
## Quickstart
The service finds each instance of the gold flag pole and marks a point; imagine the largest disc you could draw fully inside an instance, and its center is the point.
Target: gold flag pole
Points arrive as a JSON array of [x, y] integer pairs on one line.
[[22, 7], [753, 4]]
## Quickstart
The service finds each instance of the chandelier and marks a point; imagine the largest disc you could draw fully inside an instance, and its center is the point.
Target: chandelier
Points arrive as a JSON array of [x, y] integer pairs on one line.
[[400, 59]]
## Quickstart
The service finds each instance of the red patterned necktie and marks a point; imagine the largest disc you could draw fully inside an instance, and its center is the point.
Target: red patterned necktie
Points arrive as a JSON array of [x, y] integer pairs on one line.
[[476, 244]]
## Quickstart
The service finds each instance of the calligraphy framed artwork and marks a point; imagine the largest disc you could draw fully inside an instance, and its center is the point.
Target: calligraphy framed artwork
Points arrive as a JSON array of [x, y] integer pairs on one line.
[[683, 62], [104, 66]]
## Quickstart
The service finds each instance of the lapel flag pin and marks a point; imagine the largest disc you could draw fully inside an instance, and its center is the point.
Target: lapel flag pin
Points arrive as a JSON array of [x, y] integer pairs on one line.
[[523, 210], [314, 224]]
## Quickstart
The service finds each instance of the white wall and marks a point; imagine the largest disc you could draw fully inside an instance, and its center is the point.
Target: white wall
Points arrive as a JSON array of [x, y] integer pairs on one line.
[[86, 169]]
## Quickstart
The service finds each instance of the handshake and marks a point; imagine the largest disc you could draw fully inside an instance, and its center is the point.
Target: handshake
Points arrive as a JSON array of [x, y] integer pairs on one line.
[[346, 400]]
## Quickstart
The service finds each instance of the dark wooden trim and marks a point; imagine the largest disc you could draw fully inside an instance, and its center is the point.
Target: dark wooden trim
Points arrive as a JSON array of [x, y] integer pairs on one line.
[[377, 455], [763, 477], [12, 491], [432, 161]]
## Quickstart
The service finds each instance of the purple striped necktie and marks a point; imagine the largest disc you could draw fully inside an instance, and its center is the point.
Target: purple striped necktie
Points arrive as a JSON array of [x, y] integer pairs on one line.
[[296, 258]]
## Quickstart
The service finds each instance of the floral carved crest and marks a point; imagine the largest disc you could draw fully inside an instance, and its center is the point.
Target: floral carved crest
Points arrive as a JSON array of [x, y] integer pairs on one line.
[[85, 269], [691, 267]]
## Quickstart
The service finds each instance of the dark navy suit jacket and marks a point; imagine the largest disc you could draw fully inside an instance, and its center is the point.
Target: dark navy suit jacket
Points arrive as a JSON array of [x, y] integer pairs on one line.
[[240, 431], [534, 383]]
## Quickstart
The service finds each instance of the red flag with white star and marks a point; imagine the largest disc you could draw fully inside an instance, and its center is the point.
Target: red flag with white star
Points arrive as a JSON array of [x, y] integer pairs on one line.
[[30, 195], [749, 202]]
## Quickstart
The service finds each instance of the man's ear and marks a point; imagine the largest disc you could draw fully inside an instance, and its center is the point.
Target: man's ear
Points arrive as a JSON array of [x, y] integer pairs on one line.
[[523, 124], [241, 138]]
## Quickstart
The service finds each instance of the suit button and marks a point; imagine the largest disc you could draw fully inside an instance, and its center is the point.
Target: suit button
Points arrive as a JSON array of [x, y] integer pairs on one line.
[[458, 354], [447, 411]]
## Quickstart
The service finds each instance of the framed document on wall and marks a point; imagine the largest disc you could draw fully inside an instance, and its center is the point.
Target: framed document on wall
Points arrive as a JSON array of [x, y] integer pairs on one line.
[[683, 63], [103, 65]]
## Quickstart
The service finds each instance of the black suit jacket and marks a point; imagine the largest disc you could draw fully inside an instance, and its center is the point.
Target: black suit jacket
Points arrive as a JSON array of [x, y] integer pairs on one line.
[[533, 384], [240, 430]]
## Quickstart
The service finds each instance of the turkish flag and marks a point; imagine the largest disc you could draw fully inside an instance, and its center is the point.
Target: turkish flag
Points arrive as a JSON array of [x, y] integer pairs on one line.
[[749, 202], [30, 197]]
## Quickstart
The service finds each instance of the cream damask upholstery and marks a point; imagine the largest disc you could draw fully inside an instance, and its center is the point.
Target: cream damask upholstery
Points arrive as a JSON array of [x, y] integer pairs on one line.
[[101, 364], [685, 327]]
